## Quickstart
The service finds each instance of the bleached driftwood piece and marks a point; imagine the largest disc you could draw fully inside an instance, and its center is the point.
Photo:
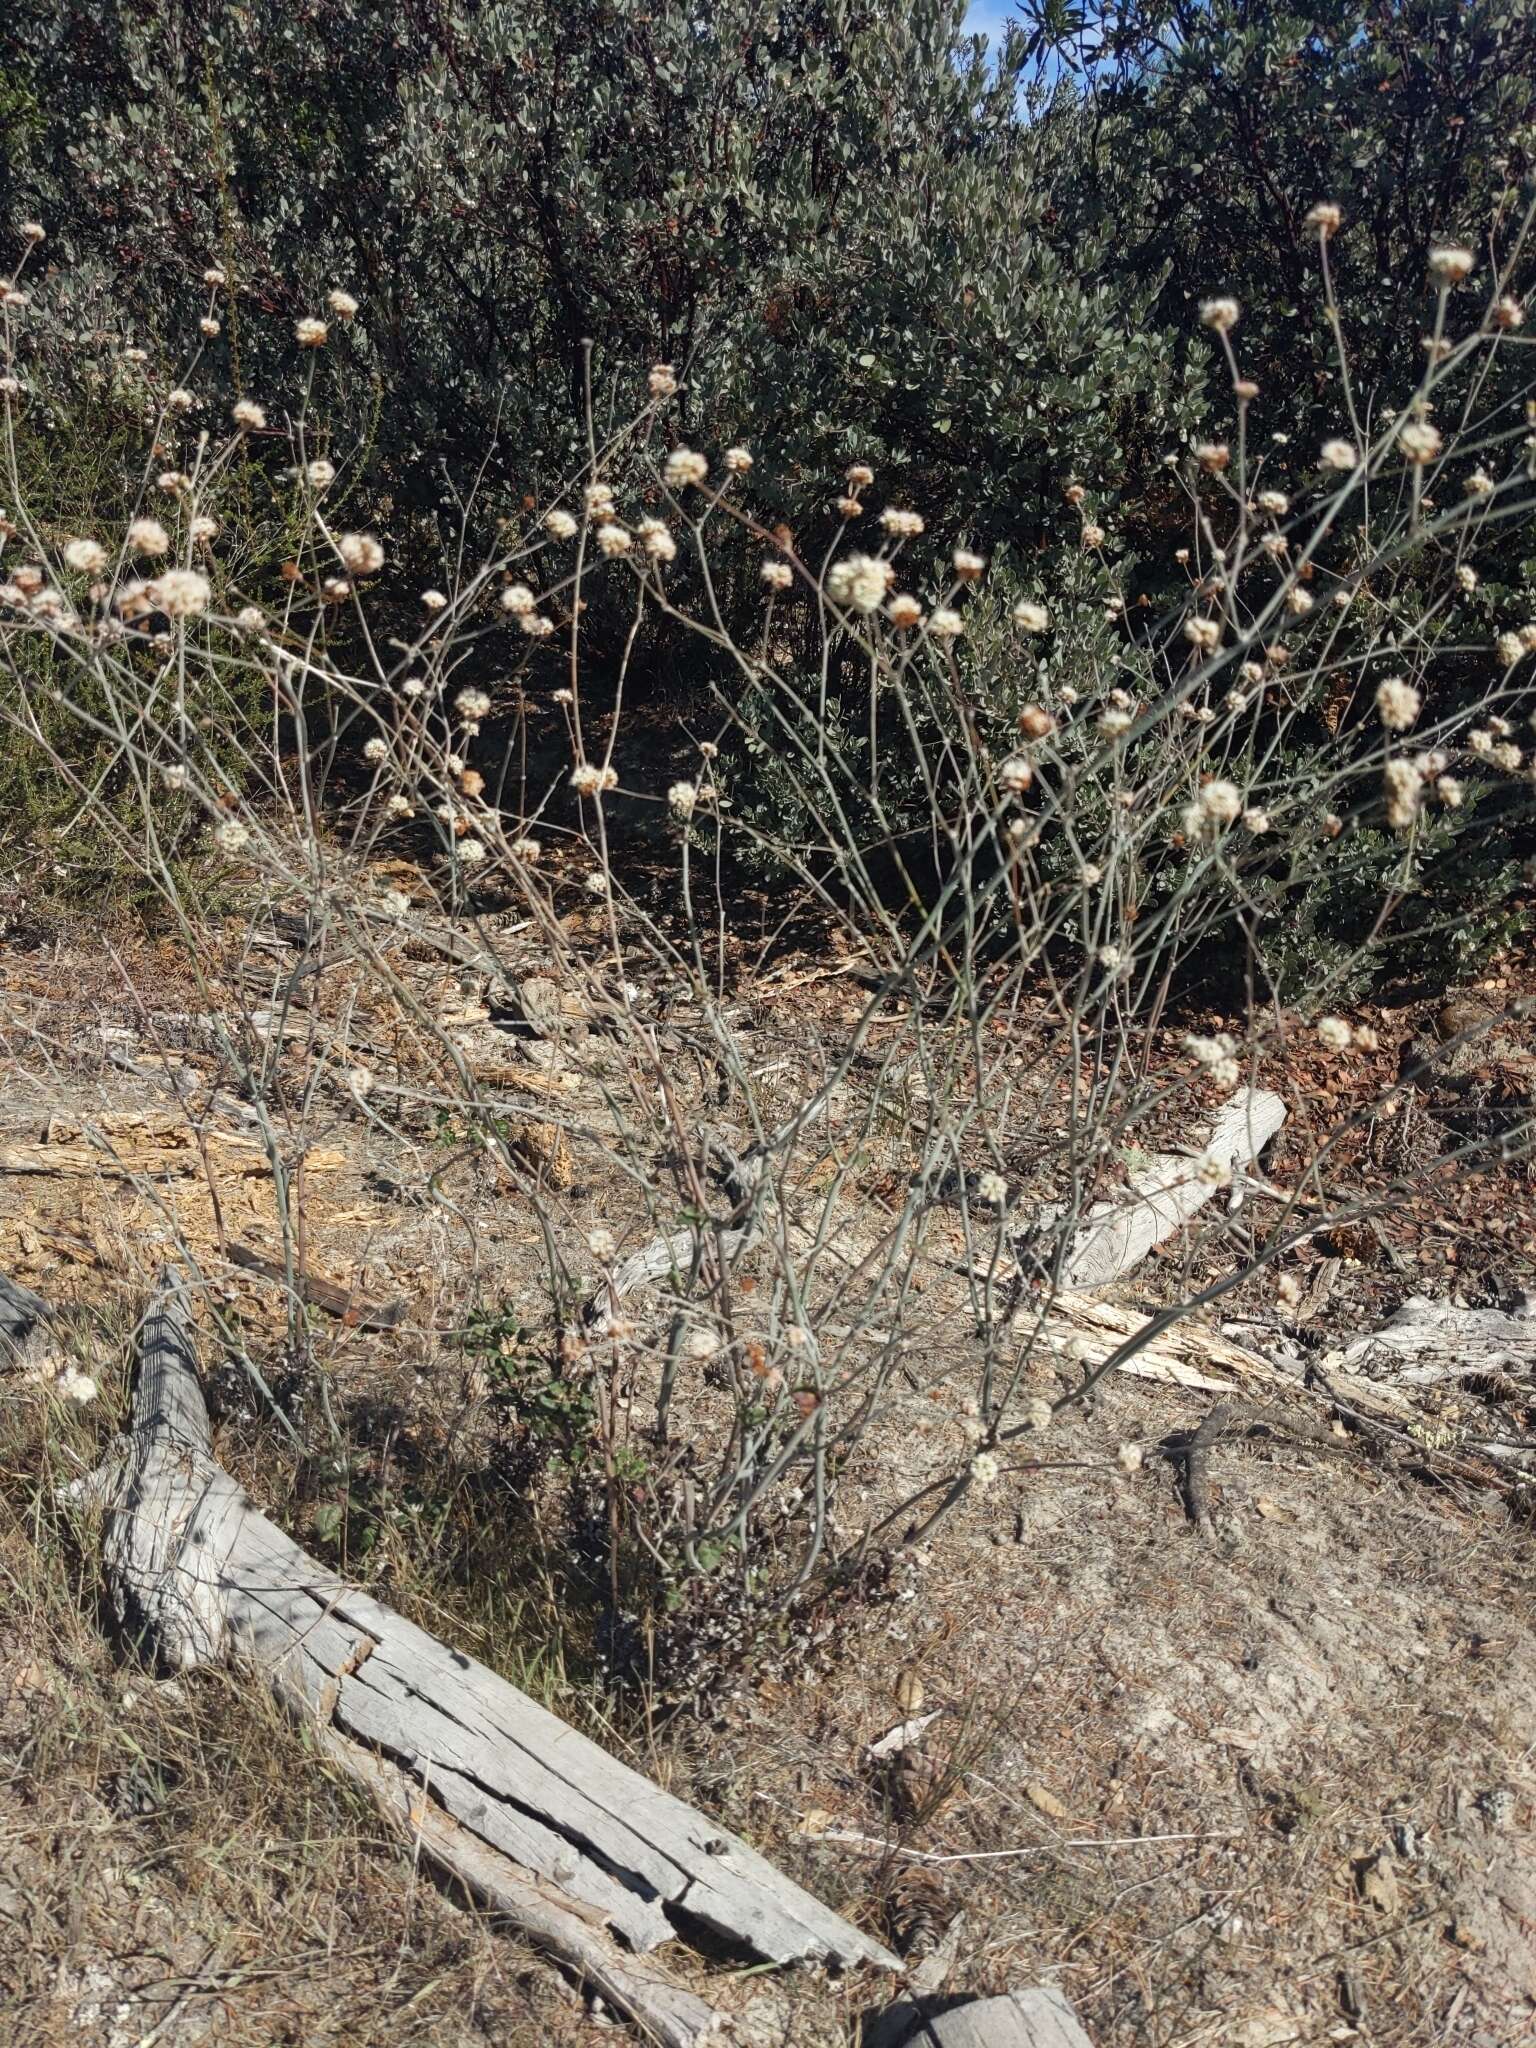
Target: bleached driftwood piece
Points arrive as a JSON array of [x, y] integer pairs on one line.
[[22, 1316], [1168, 1191], [531, 1816], [1039, 2017], [1428, 1341]]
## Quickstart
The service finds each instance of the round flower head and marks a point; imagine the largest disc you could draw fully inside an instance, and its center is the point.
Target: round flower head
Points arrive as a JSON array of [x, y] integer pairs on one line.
[[1221, 801], [182, 593], [471, 852], [969, 567], [311, 333], [858, 476], [517, 597], [472, 704], [858, 580], [662, 381], [685, 466], [1016, 774], [1203, 634], [1419, 440], [588, 780], [1324, 219], [1339, 454], [209, 328], [1213, 455], [738, 460], [1221, 314], [1479, 484], [248, 416], [992, 1189], [231, 836], [1333, 1033], [559, 525], [434, 601], [1508, 313], [1031, 617], [1092, 535], [682, 797], [777, 575], [321, 474], [1397, 704], [342, 304], [85, 557], [535, 625], [613, 539], [376, 750], [361, 552], [148, 537], [179, 400], [945, 624], [1450, 265], [598, 499], [1275, 503], [214, 278], [904, 611], [32, 231], [903, 525]]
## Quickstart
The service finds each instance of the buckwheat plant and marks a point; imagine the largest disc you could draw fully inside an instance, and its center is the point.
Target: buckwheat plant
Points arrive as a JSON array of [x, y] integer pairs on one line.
[[960, 891]]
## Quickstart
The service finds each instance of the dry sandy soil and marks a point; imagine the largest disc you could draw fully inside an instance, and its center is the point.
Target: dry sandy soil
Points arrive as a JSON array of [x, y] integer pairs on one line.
[[1267, 1779]]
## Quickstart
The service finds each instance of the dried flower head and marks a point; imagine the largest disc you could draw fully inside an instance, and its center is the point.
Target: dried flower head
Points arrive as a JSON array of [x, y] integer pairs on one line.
[[1203, 634], [614, 539], [376, 750], [1324, 219], [1419, 440], [858, 476], [684, 466], [682, 797], [311, 333], [362, 554], [737, 460], [1222, 801], [860, 581], [231, 836], [1031, 617], [1508, 313], [182, 593], [1450, 265], [434, 600], [587, 779], [1333, 1034], [1016, 774], [1397, 704], [777, 575], [661, 381], [944, 623], [1092, 536], [1221, 314], [1403, 789], [85, 557], [342, 304], [321, 474], [904, 610], [472, 704], [902, 525], [1339, 454], [517, 597], [560, 525], [148, 537], [248, 416], [969, 567], [992, 1189]]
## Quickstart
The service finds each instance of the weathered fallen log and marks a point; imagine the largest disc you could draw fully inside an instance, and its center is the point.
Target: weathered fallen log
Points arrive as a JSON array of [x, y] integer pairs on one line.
[[1038, 2017], [1428, 1341], [533, 1818], [1166, 1193], [22, 1315]]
